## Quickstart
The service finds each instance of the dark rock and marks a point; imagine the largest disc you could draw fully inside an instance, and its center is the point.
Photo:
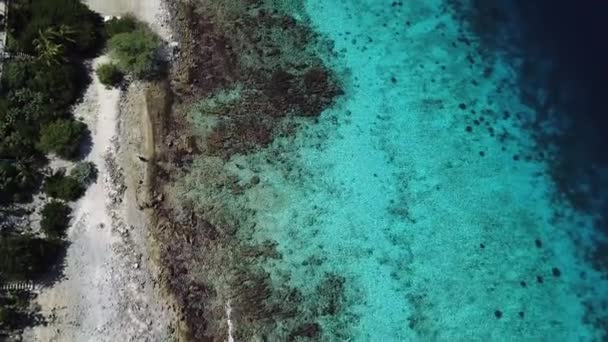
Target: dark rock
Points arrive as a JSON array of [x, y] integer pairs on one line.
[[556, 272], [498, 314], [310, 330], [331, 294]]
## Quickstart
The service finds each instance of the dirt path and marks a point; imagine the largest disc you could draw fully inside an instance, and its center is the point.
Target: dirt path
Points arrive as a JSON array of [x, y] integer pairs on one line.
[[109, 291]]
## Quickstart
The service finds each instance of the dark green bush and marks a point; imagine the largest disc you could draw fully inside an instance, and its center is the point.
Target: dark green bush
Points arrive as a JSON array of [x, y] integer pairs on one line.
[[24, 257], [84, 172], [63, 137], [57, 84], [8, 182], [29, 17], [63, 187], [31, 108], [36, 95], [5, 315], [15, 74], [55, 219], [136, 52], [109, 74], [16, 144], [15, 311], [17, 180], [11, 318], [124, 24]]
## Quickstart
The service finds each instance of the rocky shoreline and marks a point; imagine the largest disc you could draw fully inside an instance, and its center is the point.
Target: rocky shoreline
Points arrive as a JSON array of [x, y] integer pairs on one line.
[[273, 65]]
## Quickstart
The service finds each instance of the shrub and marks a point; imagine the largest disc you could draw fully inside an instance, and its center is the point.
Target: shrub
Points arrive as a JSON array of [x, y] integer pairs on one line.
[[56, 84], [15, 311], [33, 16], [25, 257], [11, 318], [84, 172], [29, 107], [109, 74], [136, 52], [62, 187], [5, 314], [55, 219], [16, 144], [62, 136], [124, 24], [8, 182], [16, 73], [17, 180]]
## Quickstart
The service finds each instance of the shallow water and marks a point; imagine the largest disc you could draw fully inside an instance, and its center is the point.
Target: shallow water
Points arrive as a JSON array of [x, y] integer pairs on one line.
[[424, 189]]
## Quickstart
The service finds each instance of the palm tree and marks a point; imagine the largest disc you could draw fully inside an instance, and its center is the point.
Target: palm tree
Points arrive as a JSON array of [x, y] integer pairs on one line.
[[48, 50], [50, 44], [65, 32]]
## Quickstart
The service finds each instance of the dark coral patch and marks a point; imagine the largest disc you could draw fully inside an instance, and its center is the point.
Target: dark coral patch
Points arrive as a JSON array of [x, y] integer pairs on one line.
[[270, 66]]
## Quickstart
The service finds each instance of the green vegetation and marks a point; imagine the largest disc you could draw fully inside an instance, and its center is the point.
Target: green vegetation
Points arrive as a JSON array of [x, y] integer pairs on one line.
[[51, 39], [62, 137], [5, 315], [14, 311], [55, 219], [136, 52], [48, 41], [55, 86], [11, 316], [17, 179], [84, 172], [109, 74], [124, 24], [82, 28], [25, 257], [63, 187]]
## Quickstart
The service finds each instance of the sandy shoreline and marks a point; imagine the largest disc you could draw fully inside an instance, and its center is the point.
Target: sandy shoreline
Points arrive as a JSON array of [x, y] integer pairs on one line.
[[110, 290]]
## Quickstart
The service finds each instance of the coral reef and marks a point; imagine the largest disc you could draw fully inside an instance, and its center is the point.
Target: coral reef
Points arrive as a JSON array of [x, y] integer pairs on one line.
[[271, 58], [245, 73]]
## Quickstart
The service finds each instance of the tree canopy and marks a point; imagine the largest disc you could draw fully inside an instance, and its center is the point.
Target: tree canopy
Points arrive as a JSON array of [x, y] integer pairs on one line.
[[35, 16], [63, 137], [55, 219], [24, 257], [136, 52]]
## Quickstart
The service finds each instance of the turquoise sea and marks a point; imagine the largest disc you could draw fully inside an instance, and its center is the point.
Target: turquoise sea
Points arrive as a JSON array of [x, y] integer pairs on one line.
[[426, 197]]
